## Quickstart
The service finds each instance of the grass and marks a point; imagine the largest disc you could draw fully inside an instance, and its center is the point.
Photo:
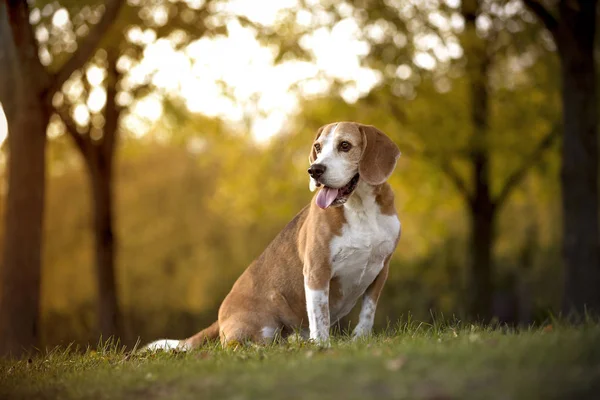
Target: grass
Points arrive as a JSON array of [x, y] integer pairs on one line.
[[413, 361]]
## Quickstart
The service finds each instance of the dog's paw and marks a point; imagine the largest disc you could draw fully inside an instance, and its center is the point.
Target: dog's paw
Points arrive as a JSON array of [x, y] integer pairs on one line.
[[323, 343]]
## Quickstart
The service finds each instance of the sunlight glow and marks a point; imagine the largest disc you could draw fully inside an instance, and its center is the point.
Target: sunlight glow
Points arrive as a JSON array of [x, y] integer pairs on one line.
[[96, 100], [235, 78], [95, 75], [42, 34], [60, 18], [255, 88], [148, 109], [403, 72], [425, 61], [81, 114], [35, 16]]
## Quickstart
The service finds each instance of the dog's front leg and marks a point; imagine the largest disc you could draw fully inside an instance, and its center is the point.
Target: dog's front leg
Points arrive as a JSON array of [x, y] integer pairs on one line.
[[316, 288], [317, 307], [369, 303]]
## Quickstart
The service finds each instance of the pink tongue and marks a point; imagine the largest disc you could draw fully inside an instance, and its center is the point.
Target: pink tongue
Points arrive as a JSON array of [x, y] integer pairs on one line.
[[326, 196]]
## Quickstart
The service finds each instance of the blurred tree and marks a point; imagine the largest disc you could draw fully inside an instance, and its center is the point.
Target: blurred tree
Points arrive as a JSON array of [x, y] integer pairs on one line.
[[97, 149], [27, 98], [96, 137], [483, 204], [574, 32]]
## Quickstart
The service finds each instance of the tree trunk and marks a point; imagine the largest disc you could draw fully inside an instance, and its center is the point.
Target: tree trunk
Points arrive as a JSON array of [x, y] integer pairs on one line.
[[480, 255], [101, 167], [109, 317], [579, 175], [482, 209], [98, 156], [27, 117]]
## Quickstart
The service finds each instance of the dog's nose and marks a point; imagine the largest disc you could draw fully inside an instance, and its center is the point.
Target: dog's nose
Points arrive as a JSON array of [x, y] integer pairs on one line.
[[316, 170]]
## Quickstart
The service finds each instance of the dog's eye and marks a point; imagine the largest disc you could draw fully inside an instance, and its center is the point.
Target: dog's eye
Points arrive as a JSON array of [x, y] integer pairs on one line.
[[317, 147], [345, 146]]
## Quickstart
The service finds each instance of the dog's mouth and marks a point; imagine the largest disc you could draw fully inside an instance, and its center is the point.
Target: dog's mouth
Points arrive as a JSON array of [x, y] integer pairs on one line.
[[335, 197]]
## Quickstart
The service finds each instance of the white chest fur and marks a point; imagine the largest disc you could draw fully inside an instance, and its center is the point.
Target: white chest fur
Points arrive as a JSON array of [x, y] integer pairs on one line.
[[358, 254]]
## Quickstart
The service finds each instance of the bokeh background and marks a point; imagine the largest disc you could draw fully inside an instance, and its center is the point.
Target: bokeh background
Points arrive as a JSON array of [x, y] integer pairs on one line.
[[178, 148]]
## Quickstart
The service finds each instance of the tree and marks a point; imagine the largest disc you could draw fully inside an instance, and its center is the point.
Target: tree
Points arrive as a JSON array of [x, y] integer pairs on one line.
[[96, 142], [483, 205], [27, 98], [574, 30], [98, 155]]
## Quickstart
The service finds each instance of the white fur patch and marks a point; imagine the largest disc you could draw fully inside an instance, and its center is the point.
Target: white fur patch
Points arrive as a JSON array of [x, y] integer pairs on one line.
[[317, 307], [312, 184], [268, 332], [164, 344], [367, 239], [366, 318]]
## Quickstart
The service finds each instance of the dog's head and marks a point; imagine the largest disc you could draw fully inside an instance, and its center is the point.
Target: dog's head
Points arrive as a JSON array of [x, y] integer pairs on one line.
[[344, 153]]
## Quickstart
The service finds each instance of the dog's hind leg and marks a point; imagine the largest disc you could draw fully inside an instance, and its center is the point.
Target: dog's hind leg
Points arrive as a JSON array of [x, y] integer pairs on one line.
[[247, 327]]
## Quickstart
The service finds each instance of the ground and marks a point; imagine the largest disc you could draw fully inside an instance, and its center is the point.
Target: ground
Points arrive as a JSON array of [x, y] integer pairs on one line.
[[414, 361]]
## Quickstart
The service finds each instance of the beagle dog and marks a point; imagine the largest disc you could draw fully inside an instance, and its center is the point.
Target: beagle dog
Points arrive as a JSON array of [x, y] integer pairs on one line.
[[335, 251]]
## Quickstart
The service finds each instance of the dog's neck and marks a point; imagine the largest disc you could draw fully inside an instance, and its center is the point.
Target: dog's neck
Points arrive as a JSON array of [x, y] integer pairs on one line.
[[363, 201]]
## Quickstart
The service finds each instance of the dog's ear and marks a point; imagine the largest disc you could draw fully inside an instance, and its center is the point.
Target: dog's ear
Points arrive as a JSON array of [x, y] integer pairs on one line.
[[312, 156], [379, 155]]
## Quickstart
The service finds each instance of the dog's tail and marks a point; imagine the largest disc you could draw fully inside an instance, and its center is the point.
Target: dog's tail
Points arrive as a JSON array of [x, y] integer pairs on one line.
[[210, 333]]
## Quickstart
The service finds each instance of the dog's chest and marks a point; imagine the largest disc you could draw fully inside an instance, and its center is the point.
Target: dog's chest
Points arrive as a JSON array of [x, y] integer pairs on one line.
[[358, 255]]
